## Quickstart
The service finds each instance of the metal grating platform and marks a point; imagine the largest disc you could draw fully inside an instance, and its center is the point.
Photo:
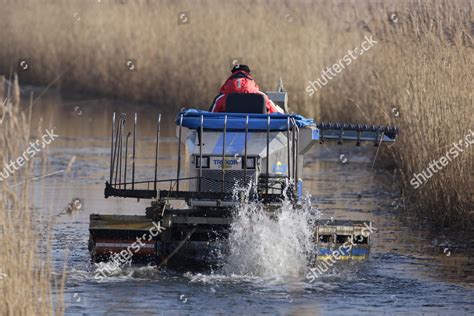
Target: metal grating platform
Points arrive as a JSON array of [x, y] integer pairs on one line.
[[212, 179]]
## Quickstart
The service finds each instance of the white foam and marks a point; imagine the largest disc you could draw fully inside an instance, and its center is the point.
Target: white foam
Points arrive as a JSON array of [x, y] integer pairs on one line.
[[270, 245]]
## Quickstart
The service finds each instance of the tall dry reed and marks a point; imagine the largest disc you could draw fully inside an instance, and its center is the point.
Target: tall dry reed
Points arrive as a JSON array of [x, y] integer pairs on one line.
[[421, 67], [26, 276]]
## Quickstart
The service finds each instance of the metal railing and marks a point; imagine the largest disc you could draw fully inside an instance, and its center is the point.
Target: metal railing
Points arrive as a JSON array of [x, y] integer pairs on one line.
[[118, 182], [335, 131]]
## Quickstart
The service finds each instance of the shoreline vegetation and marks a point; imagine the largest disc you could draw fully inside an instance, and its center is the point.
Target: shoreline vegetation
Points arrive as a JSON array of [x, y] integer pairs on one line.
[[417, 76], [26, 272]]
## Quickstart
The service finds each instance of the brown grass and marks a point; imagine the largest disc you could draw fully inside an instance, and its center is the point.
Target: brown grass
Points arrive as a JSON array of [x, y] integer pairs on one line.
[[25, 264], [422, 65]]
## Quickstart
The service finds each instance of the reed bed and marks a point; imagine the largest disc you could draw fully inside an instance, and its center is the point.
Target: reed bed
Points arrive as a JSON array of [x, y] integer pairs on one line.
[[420, 68], [26, 275]]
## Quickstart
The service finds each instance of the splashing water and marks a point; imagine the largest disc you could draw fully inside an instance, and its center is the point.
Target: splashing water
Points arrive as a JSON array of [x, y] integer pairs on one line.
[[276, 244]]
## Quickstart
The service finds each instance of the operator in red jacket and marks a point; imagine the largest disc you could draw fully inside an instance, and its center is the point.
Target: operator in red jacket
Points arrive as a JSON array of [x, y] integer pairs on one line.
[[241, 82]]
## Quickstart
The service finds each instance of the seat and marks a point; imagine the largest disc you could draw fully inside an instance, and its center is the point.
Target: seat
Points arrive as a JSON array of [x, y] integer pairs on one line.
[[246, 103]]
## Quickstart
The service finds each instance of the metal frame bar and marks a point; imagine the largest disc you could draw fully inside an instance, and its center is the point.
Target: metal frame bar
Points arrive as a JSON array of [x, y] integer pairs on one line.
[[116, 154], [321, 136], [358, 127], [201, 137], [121, 150], [168, 194], [157, 150], [288, 148], [223, 153], [181, 179], [268, 155], [133, 155], [177, 195], [206, 195], [378, 147], [112, 149], [126, 155], [293, 132], [245, 149], [378, 138], [179, 152], [296, 153]]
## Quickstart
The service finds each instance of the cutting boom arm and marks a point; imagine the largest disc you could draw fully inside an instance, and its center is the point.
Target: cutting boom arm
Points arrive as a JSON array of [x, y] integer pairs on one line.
[[340, 132]]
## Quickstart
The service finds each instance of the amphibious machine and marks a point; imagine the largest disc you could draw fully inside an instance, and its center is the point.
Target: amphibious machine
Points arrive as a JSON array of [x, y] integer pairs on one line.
[[223, 159]]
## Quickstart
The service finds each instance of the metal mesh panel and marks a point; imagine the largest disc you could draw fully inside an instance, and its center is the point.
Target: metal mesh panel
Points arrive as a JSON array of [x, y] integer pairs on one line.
[[212, 179]]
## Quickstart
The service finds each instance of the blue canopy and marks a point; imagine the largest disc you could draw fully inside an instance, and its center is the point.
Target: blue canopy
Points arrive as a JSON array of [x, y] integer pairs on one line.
[[236, 121]]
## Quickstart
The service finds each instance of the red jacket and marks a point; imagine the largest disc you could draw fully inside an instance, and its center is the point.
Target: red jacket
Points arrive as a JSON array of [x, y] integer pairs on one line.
[[241, 82]]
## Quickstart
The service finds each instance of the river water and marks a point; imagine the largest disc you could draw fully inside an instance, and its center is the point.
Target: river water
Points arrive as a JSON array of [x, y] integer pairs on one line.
[[411, 270]]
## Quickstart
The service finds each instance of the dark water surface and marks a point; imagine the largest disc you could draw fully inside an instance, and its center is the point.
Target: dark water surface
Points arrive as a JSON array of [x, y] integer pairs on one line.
[[410, 271]]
